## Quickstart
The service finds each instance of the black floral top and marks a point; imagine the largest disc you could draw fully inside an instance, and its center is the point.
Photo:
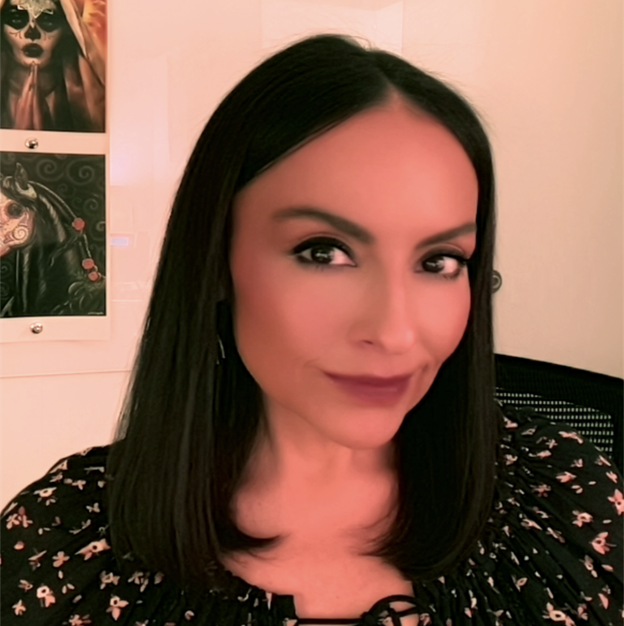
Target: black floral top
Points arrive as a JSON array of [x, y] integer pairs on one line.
[[551, 554]]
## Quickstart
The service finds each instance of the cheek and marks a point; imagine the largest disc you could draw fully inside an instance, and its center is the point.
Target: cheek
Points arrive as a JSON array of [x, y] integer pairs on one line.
[[289, 323], [13, 36], [276, 325], [443, 322], [49, 40]]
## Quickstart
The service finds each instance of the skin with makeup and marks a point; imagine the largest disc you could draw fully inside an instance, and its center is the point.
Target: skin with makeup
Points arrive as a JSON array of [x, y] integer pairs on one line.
[[33, 30], [348, 263]]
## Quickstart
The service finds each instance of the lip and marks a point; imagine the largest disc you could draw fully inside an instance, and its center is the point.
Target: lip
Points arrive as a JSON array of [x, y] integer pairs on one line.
[[33, 50], [373, 389], [372, 380]]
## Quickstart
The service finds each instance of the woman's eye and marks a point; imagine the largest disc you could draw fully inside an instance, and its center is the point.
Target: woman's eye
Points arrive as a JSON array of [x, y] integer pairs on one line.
[[49, 21], [323, 252], [445, 265], [17, 18]]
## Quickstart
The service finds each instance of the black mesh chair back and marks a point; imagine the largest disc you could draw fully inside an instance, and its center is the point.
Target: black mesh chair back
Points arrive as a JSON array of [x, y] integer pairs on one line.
[[591, 403]]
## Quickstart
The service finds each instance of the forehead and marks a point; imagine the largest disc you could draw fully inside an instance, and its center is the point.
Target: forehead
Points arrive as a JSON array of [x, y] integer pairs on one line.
[[35, 7], [376, 163]]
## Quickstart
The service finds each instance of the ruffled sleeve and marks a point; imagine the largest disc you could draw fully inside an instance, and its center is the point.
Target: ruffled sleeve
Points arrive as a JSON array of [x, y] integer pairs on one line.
[[58, 567], [552, 553], [54, 542], [570, 507]]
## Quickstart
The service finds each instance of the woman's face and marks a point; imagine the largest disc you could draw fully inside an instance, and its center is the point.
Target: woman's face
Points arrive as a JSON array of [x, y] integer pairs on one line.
[[32, 29], [346, 260]]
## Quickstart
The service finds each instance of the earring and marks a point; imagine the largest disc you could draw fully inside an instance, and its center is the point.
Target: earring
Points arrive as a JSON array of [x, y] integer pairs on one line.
[[497, 281], [221, 349]]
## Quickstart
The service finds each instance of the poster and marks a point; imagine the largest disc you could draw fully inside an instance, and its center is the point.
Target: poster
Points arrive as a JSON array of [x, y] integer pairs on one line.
[[53, 65], [52, 235]]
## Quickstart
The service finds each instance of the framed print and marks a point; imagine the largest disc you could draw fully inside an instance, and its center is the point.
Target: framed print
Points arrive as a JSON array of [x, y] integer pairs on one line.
[[52, 235], [53, 62]]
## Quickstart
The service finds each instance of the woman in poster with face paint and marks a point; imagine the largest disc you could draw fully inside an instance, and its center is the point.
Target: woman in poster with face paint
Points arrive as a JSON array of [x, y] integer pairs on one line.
[[53, 71]]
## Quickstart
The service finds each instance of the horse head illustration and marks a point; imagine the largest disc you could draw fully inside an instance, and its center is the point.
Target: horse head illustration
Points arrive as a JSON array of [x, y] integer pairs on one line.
[[54, 270]]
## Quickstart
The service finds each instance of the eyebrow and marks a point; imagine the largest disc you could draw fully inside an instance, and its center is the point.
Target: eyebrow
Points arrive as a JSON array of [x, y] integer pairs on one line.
[[359, 233]]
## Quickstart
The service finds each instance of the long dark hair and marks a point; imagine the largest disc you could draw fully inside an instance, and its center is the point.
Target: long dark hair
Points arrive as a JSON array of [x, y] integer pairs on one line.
[[189, 424]]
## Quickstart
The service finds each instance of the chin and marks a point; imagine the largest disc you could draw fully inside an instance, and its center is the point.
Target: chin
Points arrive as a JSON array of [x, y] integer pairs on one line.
[[368, 432]]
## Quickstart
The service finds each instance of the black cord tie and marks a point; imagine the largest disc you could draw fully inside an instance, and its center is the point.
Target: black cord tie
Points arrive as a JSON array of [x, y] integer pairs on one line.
[[382, 610]]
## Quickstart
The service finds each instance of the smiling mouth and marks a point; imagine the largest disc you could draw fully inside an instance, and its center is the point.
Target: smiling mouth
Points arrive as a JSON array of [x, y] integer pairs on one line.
[[373, 390], [33, 50]]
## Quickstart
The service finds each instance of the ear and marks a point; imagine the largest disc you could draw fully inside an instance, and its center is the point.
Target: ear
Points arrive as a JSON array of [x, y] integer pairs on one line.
[[21, 177], [22, 184]]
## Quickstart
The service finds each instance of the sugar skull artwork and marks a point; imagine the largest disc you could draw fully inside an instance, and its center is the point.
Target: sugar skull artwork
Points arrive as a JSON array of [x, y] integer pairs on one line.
[[52, 235], [53, 65]]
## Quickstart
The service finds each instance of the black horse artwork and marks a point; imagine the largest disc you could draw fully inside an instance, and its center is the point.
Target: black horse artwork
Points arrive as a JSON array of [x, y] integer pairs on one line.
[[46, 265]]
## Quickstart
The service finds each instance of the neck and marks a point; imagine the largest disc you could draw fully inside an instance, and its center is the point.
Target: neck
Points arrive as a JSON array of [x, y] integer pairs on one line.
[[291, 454]]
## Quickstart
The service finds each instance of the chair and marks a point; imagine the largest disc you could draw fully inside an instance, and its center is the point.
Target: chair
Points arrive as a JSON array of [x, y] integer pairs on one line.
[[590, 403]]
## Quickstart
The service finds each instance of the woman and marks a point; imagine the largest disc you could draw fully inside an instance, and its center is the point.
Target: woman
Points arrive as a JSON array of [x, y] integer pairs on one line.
[[310, 435], [53, 74]]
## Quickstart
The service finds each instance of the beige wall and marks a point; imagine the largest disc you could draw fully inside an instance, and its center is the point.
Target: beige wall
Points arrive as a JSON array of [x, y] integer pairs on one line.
[[547, 77], [47, 417]]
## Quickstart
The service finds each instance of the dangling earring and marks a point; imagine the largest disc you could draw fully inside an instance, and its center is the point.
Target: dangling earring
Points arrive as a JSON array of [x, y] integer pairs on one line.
[[221, 349]]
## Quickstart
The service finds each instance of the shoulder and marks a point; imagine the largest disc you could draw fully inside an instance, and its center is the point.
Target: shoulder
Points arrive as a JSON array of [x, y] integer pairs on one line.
[[51, 526], [552, 550], [62, 493], [554, 467], [536, 447], [58, 566], [560, 515]]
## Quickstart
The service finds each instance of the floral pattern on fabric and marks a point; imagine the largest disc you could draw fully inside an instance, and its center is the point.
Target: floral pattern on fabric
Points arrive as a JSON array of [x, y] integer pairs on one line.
[[551, 554]]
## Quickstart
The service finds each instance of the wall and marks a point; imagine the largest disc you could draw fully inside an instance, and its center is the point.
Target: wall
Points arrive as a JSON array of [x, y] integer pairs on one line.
[[547, 78]]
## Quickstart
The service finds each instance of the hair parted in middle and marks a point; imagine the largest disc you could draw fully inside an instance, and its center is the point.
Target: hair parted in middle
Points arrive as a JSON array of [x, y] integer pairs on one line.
[[188, 426]]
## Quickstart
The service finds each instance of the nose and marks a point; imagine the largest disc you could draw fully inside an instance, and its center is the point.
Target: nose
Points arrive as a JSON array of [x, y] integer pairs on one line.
[[389, 318], [33, 33]]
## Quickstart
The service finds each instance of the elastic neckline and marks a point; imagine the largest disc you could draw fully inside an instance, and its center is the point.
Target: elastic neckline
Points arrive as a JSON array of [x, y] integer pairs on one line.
[[284, 606]]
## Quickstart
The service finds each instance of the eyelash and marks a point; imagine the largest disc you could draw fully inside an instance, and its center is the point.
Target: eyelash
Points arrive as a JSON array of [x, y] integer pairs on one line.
[[329, 242]]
